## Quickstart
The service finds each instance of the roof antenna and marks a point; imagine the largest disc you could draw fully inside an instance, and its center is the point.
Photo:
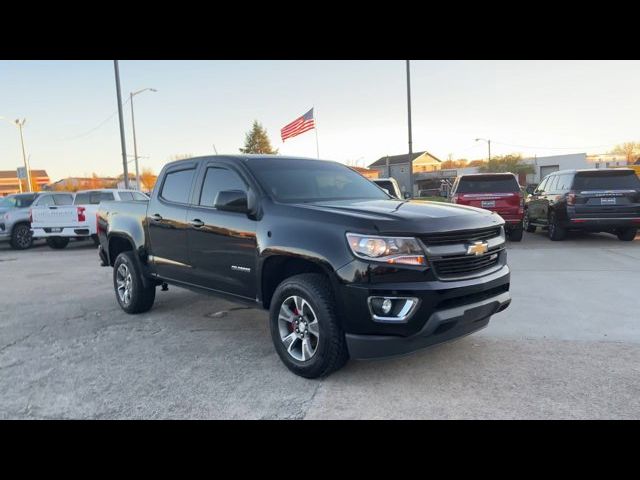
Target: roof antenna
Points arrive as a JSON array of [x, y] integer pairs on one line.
[[214, 149]]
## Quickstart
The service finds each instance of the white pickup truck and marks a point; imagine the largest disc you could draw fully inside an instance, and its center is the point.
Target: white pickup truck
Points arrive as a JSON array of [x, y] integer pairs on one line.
[[58, 224]]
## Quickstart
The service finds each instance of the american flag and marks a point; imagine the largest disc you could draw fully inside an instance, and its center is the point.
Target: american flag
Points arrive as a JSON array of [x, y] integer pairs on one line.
[[298, 126]]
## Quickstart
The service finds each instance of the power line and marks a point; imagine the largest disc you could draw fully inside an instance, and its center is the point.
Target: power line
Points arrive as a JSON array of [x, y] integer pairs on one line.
[[88, 132]]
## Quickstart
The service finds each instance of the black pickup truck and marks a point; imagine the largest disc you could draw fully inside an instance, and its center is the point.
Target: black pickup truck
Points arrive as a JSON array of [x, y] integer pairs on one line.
[[345, 270]]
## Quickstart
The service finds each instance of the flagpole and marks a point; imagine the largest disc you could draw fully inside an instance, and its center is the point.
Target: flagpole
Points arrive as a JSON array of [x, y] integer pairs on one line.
[[316, 129]]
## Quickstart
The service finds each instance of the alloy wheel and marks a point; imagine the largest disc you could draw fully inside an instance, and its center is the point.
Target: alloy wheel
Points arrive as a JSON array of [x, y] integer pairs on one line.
[[298, 327], [124, 284]]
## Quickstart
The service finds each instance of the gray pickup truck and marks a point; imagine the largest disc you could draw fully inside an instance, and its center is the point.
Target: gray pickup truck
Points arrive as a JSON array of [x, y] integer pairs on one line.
[[15, 224]]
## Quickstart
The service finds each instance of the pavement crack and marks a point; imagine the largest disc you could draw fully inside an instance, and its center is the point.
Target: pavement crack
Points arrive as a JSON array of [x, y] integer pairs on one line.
[[20, 340]]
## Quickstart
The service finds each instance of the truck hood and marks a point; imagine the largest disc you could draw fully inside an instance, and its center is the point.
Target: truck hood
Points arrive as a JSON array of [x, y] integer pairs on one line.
[[411, 217]]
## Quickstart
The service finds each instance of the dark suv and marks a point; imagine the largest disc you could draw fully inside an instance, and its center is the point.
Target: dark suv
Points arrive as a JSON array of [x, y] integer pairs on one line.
[[598, 200]]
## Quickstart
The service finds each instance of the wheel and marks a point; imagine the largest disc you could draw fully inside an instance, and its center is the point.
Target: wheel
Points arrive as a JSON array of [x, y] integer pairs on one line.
[[627, 234], [131, 293], [556, 232], [525, 223], [96, 240], [515, 234], [57, 242], [304, 326], [21, 238]]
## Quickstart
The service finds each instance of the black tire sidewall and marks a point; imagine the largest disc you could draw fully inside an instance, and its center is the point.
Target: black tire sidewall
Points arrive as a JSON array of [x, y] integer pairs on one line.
[[327, 325], [14, 237], [139, 301], [57, 242]]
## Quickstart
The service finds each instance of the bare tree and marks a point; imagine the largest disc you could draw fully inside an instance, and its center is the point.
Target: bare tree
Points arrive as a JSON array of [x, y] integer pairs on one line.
[[629, 149]]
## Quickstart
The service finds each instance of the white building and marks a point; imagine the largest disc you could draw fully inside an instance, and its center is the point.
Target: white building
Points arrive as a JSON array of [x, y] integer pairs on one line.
[[545, 165]]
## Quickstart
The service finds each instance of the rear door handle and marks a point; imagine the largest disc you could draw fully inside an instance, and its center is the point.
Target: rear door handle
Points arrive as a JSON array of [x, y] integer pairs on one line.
[[196, 222], [156, 217]]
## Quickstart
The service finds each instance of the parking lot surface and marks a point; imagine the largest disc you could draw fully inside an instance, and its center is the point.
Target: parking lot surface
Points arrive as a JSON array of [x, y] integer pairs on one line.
[[567, 347]]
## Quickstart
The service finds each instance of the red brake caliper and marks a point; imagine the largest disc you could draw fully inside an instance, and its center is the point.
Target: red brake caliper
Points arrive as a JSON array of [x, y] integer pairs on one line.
[[295, 312]]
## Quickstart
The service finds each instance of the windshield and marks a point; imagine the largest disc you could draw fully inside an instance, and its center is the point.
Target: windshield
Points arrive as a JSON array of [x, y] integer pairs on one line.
[[16, 201], [292, 180], [623, 180], [488, 184]]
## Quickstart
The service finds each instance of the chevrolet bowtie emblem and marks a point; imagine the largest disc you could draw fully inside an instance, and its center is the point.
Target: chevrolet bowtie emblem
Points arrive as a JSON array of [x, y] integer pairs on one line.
[[478, 248]]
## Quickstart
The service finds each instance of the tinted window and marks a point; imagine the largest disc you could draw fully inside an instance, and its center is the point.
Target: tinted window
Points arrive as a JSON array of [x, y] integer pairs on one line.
[[216, 180], [140, 196], [300, 180], [97, 197], [44, 200], [623, 180], [63, 199], [542, 185], [551, 184], [386, 184], [126, 196], [488, 184], [81, 199], [177, 186], [564, 182]]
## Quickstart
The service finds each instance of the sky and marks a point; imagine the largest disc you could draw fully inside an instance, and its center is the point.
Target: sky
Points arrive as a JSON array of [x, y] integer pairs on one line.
[[528, 107]]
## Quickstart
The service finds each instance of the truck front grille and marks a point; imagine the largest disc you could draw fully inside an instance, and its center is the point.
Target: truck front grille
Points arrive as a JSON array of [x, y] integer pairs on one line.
[[466, 265], [465, 236]]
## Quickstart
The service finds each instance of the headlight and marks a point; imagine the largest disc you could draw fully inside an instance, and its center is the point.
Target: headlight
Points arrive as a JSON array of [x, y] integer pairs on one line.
[[395, 250]]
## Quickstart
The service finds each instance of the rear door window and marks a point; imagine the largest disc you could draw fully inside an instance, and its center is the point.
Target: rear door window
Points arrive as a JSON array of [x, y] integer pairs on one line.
[[81, 199], [177, 186], [126, 196], [600, 180], [140, 197], [488, 184], [63, 199], [45, 200]]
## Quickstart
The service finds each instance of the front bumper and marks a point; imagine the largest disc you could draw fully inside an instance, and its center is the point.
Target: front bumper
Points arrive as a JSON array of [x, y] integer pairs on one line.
[[442, 326]]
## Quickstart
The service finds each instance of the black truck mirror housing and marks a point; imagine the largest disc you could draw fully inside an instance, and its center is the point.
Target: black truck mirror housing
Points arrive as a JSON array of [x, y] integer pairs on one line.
[[232, 201]]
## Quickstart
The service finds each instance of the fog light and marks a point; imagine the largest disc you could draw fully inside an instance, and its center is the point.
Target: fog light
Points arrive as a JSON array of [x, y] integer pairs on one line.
[[392, 309], [386, 305]]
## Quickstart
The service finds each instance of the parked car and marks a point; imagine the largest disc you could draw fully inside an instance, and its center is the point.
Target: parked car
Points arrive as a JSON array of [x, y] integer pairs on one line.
[[598, 200], [498, 192], [58, 224], [344, 269], [389, 185], [14, 215]]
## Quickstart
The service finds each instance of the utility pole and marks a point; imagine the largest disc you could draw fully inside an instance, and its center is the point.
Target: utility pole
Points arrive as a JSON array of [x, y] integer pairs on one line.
[[410, 142], [20, 124], [122, 140]]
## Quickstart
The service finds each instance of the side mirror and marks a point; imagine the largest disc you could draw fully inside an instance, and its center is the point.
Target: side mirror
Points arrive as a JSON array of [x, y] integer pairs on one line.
[[232, 201], [531, 189]]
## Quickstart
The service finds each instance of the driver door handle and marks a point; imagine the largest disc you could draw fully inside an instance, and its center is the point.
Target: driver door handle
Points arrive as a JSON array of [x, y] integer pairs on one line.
[[156, 217], [196, 222]]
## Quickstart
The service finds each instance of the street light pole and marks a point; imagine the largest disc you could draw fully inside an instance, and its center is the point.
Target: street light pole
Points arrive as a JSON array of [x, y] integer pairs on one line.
[[488, 143], [123, 145], [20, 124], [410, 142], [133, 126]]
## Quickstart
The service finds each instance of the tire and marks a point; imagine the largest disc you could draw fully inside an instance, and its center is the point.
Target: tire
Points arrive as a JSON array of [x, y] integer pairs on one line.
[[131, 293], [21, 237], [311, 293], [627, 234], [525, 223], [515, 234], [57, 243], [556, 232]]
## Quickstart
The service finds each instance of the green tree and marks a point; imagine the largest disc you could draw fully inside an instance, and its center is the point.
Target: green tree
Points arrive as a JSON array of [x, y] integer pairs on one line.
[[506, 163], [257, 141]]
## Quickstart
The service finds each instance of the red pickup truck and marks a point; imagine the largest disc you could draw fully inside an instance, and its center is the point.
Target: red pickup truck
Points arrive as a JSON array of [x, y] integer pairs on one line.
[[498, 192]]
